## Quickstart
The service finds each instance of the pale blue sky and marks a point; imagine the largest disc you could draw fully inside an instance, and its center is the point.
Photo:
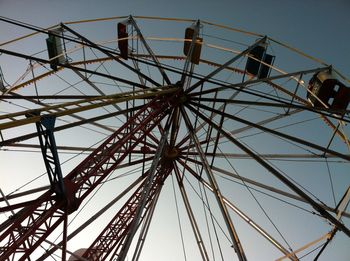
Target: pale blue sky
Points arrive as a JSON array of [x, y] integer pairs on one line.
[[317, 27]]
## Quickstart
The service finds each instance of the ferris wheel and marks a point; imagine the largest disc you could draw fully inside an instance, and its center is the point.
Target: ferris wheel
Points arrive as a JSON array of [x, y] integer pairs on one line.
[[145, 138]]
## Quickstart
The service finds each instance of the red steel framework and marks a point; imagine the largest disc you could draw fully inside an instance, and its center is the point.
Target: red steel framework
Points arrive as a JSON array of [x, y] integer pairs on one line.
[[35, 223], [114, 234]]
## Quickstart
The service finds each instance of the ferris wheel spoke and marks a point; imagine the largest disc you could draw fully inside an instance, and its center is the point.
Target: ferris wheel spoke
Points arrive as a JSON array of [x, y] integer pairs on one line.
[[135, 59], [234, 237], [268, 130], [244, 181], [149, 50], [287, 254], [214, 100], [239, 212], [21, 194], [287, 156], [321, 111], [217, 170], [75, 68], [217, 138], [78, 106], [281, 177], [46, 97], [236, 86], [330, 235], [24, 204], [94, 87], [108, 53], [144, 229], [342, 205], [225, 65], [239, 87], [198, 128], [190, 214], [82, 119], [235, 131], [38, 77]]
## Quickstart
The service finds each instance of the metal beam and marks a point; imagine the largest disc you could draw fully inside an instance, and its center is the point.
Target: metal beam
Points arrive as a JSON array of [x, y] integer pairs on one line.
[[92, 218], [40, 60], [86, 79], [109, 54], [261, 185], [275, 105], [42, 220], [240, 213], [149, 50], [21, 194], [237, 86], [225, 65], [101, 100], [145, 192], [274, 132], [48, 146], [145, 228], [278, 175], [233, 234], [191, 216], [47, 97], [343, 204], [40, 103], [78, 107], [326, 236], [80, 149], [23, 204], [267, 156], [10, 142], [175, 127]]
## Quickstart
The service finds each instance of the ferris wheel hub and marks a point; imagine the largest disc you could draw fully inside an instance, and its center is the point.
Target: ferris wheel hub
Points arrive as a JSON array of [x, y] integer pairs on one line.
[[171, 153]]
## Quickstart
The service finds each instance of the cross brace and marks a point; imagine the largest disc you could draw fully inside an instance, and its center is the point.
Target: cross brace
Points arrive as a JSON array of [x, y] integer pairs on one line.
[[47, 141]]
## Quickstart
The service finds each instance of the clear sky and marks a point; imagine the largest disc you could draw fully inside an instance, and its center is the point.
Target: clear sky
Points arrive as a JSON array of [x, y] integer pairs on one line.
[[319, 28]]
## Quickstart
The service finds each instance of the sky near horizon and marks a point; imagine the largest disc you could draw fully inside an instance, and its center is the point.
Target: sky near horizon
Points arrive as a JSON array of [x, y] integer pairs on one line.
[[319, 28]]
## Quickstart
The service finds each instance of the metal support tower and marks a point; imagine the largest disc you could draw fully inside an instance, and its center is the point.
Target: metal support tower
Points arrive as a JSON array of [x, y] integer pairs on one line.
[[36, 222], [114, 235]]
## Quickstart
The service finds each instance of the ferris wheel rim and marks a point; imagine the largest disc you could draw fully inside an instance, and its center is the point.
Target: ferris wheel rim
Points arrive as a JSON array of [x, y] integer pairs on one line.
[[193, 104]]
